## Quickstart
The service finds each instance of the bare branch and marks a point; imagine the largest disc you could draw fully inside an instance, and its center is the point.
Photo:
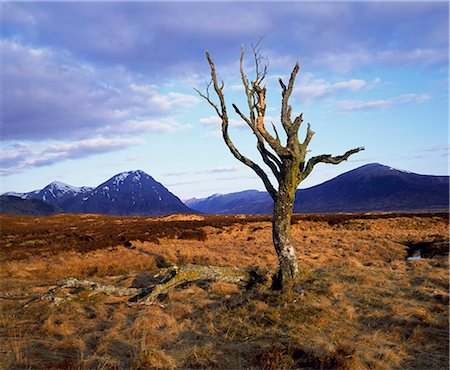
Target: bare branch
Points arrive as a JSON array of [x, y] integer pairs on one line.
[[297, 122], [274, 143], [328, 158], [248, 162], [243, 116], [259, 59], [276, 132], [269, 158], [247, 90], [309, 134], [286, 93], [283, 87], [207, 98], [241, 68], [224, 116]]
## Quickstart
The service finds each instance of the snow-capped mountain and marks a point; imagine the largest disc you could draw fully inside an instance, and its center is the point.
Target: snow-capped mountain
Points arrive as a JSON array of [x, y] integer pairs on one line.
[[128, 193], [373, 187], [56, 193]]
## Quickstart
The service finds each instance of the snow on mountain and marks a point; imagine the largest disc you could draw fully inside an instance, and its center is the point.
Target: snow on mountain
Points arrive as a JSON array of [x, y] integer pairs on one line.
[[56, 193], [14, 194], [129, 193]]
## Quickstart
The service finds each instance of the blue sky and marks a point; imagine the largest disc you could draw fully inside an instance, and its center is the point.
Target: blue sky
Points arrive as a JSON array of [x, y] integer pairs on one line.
[[91, 89]]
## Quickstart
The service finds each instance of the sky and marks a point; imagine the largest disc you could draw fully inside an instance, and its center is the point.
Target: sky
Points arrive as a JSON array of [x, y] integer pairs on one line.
[[92, 89]]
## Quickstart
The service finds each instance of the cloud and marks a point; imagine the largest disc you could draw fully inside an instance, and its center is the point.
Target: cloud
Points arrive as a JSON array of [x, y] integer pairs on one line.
[[214, 121], [363, 105], [345, 61], [137, 126], [49, 94], [311, 88], [17, 157], [158, 38]]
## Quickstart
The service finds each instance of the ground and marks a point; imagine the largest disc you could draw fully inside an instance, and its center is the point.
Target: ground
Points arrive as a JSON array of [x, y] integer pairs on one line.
[[358, 303]]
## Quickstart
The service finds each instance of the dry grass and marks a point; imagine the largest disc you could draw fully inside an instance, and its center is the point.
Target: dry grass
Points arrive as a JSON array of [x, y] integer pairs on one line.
[[358, 304]]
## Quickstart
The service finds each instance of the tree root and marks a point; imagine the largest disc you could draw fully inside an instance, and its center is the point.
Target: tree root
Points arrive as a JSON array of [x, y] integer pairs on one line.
[[168, 278]]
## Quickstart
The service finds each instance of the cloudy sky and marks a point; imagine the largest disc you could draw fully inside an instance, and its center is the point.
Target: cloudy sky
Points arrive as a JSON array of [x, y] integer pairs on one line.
[[91, 89]]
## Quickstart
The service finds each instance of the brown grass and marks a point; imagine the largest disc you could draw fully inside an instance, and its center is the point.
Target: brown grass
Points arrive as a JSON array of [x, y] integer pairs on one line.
[[358, 304]]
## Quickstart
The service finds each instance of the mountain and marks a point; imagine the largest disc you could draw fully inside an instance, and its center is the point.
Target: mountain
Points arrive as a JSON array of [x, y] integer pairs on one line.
[[28, 207], [248, 201], [373, 187], [128, 193], [56, 193]]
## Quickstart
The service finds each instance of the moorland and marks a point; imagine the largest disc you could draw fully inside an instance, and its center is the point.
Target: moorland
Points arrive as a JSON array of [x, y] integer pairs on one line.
[[360, 302]]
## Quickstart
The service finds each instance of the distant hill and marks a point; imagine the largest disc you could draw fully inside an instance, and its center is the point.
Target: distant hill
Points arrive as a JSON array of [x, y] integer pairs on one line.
[[248, 201], [27, 207], [127, 193], [373, 187]]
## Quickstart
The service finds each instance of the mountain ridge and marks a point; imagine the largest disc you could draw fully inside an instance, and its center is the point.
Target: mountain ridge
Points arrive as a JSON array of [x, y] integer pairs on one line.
[[124, 194], [370, 188]]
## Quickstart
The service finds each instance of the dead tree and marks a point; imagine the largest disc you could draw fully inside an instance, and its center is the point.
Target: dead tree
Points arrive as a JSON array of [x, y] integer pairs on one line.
[[287, 162]]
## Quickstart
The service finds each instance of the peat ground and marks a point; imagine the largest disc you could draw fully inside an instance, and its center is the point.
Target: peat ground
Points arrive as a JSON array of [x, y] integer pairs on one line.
[[359, 302]]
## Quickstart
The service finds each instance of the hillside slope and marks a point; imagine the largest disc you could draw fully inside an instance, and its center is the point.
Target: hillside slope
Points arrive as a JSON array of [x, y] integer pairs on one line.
[[373, 187], [27, 207]]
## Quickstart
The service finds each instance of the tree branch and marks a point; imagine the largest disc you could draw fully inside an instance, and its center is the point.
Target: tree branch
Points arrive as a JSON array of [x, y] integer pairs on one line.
[[286, 93], [222, 112], [309, 134], [296, 125], [260, 74], [328, 158], [274, 143], [269, 158], [253, 104], [208, 99]]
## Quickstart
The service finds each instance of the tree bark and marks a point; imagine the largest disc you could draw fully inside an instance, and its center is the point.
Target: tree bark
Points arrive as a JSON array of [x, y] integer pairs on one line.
[[283, 241]]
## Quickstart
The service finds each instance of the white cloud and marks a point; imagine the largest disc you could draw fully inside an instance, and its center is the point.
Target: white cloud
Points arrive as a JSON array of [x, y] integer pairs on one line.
[[353, 85], [236, 88], [52, 95], [311, 88], [18, 157], [215, 121], [362, 105], [163, 125]]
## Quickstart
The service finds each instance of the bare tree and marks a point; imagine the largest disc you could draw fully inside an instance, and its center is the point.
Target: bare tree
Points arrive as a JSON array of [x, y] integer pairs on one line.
[[287, 162]]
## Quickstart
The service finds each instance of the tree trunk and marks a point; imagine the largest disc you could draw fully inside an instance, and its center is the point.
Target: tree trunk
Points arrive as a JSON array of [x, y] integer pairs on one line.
[[282, 239]]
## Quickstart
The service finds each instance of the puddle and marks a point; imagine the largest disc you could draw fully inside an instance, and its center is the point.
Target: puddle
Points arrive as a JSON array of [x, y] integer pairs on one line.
[[414, 258], [419, 250]]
